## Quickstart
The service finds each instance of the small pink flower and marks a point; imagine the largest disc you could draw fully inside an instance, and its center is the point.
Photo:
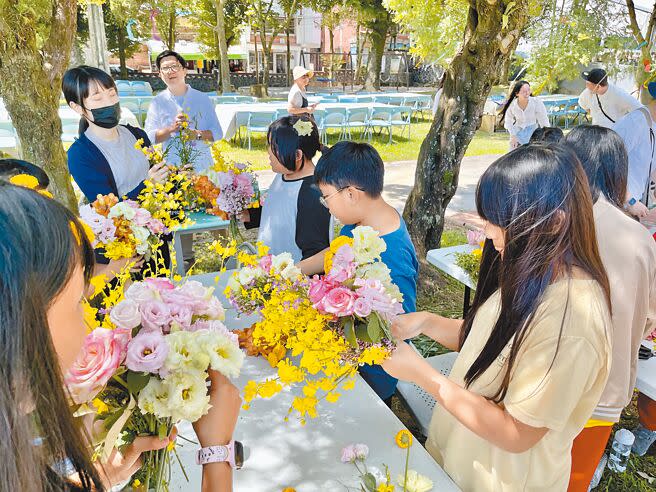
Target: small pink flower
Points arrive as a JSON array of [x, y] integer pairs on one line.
[[181, 314], [213, 309], [339, 301], [348, 454], [158, 283], [156, 226], [474, 238], [265, 263], [142, 217], [147, 352], [155, 315], [362, 307], [102, 353]]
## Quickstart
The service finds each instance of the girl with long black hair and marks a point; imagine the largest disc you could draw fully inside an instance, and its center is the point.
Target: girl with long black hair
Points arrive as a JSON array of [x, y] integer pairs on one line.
[[534, 350], [45, 263], [522, 114]]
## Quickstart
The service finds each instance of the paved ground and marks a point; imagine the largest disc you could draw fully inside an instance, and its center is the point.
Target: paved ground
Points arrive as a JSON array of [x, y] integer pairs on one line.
[[400, 177]]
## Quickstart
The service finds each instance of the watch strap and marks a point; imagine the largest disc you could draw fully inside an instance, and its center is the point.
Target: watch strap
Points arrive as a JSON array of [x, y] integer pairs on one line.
[[217, 454]]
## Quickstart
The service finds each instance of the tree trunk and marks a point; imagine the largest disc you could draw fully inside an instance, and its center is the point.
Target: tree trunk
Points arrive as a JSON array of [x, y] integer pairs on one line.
[[481, 62], [30, 84], [377, 36], [331, 58], [223, 46], [121, 38], [171, 34], [266, 54], [257, 61]]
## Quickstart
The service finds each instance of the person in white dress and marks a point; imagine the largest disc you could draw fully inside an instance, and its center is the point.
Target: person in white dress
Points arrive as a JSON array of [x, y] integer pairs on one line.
[[523, 114]]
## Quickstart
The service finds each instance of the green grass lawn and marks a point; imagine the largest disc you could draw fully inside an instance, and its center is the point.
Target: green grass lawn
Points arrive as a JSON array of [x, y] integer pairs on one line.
[[402, 148]]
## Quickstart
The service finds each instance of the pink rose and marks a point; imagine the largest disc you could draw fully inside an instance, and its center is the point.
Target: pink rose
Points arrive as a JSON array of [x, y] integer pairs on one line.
[[102, 353], [362, 307], [141, 217], [318, 289], [339, 301], [159, 283], [126, 314], [147, 352], [139, 292], [155, 315]]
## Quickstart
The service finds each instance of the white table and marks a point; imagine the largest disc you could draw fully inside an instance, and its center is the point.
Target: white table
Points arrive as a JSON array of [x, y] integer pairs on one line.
[[233, 116], [646, 374], [286, 454], [445, 260]]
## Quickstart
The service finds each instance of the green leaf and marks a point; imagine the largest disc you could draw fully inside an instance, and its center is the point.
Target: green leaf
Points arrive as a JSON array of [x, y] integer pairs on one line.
[[362, 334], [349, 333], [369, 482], [162, 430], [373, 328], [137, 381]]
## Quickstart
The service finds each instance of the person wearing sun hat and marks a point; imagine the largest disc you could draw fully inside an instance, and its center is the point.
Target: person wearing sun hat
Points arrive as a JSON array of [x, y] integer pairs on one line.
[[637, 132], [297, 103], [606, 103]]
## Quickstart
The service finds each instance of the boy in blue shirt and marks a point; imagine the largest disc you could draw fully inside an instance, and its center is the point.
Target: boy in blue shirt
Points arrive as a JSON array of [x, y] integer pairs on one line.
[[350, 176]]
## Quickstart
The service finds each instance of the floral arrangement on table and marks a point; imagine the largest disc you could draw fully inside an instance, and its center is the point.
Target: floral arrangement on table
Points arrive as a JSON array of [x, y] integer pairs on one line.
[[145, 367], [331, 324], [471, 262], [123, 229], [374, 481]]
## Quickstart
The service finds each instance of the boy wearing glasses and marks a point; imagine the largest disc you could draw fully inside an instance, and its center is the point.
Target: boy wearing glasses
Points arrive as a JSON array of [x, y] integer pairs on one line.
[[350, 176], [606, 103], [168, 109]]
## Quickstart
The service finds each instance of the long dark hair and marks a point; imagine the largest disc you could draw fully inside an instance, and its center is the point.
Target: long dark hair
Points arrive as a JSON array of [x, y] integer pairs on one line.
[[284, 140], [38, 255], [540, 197], [77, 84], [604, 159], [513, 95]]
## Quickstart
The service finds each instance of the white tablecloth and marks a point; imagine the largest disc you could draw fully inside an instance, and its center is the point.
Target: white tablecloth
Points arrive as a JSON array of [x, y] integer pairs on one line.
[[287, 454]]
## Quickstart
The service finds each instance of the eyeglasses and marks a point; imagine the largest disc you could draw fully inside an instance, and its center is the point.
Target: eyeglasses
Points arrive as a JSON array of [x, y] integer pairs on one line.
[[171, 69], [324, 199]]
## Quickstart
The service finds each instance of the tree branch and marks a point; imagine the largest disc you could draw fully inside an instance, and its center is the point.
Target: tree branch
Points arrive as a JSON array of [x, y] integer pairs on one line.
[[650, 26], [633, 22]]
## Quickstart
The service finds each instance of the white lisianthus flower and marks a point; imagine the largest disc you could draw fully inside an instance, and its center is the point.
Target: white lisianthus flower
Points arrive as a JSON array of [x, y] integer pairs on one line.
[[291, 272], [139, 292], [374, 271], [196, 290], [367, 245], [141, 235], [247, 274], [154, 399], [122, 209], [188, 398], [282, 261], [415, 482], [224, 354], [126, 314], [185, 354]]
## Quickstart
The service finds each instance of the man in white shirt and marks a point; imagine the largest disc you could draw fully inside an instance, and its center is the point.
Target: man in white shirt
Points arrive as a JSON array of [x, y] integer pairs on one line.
[[167, 110], [637, 132], [606, 103]]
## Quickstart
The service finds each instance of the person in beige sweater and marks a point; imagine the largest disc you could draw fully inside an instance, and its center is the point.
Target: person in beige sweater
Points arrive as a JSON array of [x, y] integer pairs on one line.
[[628, 253]]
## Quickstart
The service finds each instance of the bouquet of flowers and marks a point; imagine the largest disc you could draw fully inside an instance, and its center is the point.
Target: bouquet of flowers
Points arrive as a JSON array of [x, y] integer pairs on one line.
[[123, 229], [331, 324], [471, 262], [146, 367]]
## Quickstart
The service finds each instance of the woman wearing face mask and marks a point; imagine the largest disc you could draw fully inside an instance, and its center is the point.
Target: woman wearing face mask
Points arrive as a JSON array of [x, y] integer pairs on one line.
[[523, 114], [42, 329], [103, 160]]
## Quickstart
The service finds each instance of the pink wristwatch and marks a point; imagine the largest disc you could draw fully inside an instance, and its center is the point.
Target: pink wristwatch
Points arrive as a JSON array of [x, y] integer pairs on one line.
[[233, 453]]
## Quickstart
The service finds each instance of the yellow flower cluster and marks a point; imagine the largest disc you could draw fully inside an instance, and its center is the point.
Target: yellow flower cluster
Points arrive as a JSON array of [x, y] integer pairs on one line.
[[167, 201], [29, 181], [220, 164], [153, 154], [289, 319], [336, 243]]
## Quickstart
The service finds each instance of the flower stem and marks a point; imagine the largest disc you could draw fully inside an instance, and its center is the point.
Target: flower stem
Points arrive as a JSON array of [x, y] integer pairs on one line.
[[405, 475]]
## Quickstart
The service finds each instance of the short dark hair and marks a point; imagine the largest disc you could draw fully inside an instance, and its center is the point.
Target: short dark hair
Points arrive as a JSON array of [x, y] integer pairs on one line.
[[352, 164], [76, 86], [546, 135], [604, 159], [14, 167], [284, 140], [167, 53]]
